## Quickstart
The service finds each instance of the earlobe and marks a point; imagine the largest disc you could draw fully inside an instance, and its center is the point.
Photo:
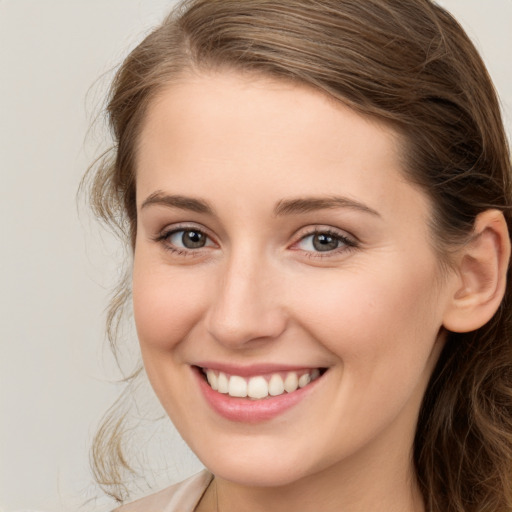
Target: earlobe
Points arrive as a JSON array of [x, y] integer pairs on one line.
[[481, 274]]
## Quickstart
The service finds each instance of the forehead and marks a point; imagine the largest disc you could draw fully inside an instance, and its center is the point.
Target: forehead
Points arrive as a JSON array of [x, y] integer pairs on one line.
[[270, 137], [254, 106]]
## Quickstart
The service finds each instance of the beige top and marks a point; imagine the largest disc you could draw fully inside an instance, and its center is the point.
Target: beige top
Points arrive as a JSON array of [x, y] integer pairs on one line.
[[181, 497]]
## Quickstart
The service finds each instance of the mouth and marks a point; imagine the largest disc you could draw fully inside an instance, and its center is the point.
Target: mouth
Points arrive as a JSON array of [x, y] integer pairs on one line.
[[260, 387]]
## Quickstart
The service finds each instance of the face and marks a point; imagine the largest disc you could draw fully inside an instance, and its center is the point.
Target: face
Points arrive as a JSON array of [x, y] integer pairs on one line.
[[279, 245]]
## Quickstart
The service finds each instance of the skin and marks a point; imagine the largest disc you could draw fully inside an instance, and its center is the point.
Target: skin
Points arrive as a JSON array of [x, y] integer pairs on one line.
[[259, 293]]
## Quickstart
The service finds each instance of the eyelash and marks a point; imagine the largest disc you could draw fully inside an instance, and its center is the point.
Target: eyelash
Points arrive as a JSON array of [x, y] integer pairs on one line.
[[164, 236], [348, 243]]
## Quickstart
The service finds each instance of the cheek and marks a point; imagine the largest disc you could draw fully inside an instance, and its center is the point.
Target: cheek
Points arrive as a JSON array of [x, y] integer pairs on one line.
[[167, 305], [382, 328], [377, 320]]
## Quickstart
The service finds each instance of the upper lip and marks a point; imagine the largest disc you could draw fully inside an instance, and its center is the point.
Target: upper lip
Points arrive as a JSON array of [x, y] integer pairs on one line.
[[253, 369]]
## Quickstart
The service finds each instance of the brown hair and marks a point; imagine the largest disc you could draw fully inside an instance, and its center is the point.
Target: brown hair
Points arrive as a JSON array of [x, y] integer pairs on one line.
[[410, 64]]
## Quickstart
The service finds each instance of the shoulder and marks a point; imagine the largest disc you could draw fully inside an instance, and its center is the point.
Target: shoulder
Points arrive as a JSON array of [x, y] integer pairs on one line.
[[181, 497]]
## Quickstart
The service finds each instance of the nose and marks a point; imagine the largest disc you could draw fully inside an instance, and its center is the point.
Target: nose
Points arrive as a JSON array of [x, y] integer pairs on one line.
[[246, 309]]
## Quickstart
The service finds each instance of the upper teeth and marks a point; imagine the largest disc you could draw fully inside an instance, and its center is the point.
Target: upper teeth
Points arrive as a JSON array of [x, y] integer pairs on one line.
[[259, 386]]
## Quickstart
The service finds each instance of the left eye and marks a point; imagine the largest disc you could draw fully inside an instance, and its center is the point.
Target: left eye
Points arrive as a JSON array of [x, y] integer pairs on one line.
[[188, 239], [322, 242]]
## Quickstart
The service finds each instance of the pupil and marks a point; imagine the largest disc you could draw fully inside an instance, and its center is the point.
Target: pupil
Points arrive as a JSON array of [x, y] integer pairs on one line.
[[193, 239], [325, 242]]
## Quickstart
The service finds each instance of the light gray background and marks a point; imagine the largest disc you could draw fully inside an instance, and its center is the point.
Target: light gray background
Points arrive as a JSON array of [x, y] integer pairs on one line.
[[56, 267]]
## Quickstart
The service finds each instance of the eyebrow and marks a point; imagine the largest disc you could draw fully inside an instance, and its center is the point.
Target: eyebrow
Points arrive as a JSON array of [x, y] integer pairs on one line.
[[284, 207], [309, 204], [177, 201]]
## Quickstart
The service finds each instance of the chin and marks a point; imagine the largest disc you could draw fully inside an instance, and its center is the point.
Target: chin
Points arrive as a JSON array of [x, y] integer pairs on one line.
[[246, 473], [265, 465]]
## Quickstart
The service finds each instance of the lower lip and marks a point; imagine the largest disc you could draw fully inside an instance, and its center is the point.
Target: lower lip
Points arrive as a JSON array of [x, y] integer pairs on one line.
[[245, 410]]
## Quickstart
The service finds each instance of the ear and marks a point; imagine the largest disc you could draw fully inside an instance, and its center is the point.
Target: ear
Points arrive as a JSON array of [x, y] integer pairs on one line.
[[481, 273]]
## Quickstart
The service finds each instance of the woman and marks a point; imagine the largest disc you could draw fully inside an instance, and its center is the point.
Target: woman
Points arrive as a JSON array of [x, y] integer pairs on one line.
[[317, 195]]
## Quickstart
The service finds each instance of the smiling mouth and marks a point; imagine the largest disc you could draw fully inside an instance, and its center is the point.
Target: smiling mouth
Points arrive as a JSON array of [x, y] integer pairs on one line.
[[259, 387]]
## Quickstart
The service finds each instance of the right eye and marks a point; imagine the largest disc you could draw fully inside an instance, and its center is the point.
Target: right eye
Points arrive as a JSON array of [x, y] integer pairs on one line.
[[186, 239]]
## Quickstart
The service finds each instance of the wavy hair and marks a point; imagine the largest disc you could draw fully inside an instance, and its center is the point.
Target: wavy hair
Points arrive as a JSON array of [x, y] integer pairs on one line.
[[410, 64]]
